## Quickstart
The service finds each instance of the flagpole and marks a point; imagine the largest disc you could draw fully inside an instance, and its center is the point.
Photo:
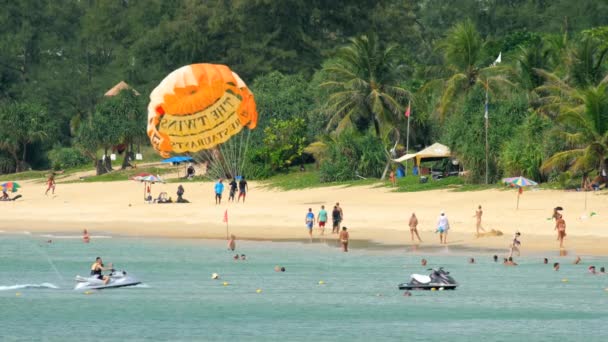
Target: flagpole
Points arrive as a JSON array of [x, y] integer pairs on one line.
[[487, 148], [407, 143], [407, 136]]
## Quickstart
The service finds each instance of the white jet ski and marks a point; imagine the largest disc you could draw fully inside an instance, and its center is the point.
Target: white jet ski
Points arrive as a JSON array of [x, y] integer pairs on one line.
[[117, 279]]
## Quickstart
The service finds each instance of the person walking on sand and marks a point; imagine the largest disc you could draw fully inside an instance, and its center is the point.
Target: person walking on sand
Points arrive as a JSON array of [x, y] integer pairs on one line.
[[322, 218], [344, 239], [443, 225], [555, 217], [50, 184], [310, 221], [219, 188], [515, 245], [336, 218], [233, 186], [243, 188], [414, 227], [477, 216], [560, 226], [341, 212]]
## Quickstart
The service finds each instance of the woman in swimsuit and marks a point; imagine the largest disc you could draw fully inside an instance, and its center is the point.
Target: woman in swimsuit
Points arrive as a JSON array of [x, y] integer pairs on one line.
[[96, 269]]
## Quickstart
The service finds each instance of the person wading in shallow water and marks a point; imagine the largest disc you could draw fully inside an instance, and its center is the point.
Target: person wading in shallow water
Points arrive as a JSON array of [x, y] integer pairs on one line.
[[344, 239]]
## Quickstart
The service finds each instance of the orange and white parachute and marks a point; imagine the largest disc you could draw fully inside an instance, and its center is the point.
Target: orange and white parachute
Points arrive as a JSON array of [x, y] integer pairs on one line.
[[198, 107]]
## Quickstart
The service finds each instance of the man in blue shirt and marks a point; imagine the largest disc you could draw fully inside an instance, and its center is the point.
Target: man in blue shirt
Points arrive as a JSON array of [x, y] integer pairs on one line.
[[219, 188]]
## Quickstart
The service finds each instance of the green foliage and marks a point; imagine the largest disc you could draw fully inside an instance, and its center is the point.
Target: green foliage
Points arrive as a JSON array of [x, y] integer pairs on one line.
[[21, 125], [66, 157], [352, 155], [523, 154], [284, 142], [465, 132]]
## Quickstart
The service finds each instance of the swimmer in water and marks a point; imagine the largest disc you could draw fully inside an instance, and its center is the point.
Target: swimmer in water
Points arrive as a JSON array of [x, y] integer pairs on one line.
[[423, 262], [545, 261], [602, 270], [592, 269], [495, 258], [515, 244], [577, 260], [243, 257], [556, 266], [471, 260], [85, 236]]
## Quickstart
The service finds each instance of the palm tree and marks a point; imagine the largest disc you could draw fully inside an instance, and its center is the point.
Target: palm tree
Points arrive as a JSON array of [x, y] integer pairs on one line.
[[464, 67], [583, 118], [363, 87]]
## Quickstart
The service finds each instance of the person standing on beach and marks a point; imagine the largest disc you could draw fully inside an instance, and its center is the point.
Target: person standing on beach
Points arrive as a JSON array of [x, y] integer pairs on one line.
[[392, 178], [344, 239], [322, 217], [443, 225], [219, 188], [477, 216], [336, 218], [232, 243], [414, 227], [560, 225], [243, 188], [310, 221], [555, 217], [50, 184], [233, 186]]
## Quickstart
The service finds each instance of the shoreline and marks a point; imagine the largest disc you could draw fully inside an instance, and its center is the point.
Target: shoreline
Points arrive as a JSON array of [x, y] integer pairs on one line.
[[372, 214]]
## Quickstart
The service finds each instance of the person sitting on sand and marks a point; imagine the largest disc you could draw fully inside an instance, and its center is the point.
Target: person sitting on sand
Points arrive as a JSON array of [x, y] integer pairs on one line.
[[414, 227], [97, 268], [515, 244], [477, 216], [180, 193], [232, 243], [344, 239], [85, 236], [556, 266]]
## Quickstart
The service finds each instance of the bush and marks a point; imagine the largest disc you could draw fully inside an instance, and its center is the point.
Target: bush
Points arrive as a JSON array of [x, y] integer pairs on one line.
[[351, 155], [66, 157]]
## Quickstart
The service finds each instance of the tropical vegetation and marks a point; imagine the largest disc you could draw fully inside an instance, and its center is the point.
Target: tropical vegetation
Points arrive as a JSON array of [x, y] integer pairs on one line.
[[332, 81]]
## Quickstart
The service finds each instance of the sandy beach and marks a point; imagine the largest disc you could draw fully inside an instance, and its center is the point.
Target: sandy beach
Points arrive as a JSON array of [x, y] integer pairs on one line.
[[371, 213]]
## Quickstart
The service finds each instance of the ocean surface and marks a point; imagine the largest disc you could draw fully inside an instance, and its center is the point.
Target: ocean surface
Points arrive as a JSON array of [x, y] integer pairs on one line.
[[324, 295]]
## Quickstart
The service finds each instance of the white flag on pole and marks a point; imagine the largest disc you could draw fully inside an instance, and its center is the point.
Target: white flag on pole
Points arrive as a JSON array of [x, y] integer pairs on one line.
[[498, 60]]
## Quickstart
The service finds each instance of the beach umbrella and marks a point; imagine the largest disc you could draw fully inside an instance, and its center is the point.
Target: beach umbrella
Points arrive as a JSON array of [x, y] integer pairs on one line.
[[147, 178], [10, 186], [519, 182]]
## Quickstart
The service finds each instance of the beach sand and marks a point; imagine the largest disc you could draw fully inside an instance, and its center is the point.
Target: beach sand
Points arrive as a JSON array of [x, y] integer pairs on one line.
[[371, 213]]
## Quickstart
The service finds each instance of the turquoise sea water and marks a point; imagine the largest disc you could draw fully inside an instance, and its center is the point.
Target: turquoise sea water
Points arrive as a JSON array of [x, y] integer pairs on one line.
[[359, 300]]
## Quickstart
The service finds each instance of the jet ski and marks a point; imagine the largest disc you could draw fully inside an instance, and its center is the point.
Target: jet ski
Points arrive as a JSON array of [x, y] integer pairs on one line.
[[438, 280], [117, 279]]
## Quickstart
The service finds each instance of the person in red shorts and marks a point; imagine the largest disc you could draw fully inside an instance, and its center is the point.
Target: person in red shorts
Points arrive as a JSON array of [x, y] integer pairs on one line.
[[322, 219]]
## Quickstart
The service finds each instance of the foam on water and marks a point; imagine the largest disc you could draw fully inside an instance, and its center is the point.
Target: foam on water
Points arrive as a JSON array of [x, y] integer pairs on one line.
[[28, 286]]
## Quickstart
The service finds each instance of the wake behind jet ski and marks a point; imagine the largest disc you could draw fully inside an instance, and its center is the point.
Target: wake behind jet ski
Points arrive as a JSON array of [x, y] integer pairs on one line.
[[438, 279]]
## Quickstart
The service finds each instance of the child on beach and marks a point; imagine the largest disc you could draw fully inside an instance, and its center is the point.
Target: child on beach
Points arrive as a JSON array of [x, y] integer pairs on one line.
[[310, 221]]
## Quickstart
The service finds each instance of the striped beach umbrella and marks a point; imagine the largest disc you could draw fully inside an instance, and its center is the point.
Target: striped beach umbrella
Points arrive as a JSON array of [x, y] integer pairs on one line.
[[519, 182], [10, 186]]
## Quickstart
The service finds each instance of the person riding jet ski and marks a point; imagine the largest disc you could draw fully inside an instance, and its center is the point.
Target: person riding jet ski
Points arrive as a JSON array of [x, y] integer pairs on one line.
[[97, 268]]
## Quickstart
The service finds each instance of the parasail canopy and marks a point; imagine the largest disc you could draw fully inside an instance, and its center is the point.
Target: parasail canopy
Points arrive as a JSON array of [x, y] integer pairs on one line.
[[198, 107]]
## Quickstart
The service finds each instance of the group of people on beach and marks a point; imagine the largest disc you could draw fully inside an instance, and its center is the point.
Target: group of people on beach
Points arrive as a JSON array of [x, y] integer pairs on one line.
[[337, 216], [241, 185]]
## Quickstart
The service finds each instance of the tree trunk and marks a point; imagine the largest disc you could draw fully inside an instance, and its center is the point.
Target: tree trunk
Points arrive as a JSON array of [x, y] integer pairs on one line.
[[17, 163]]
